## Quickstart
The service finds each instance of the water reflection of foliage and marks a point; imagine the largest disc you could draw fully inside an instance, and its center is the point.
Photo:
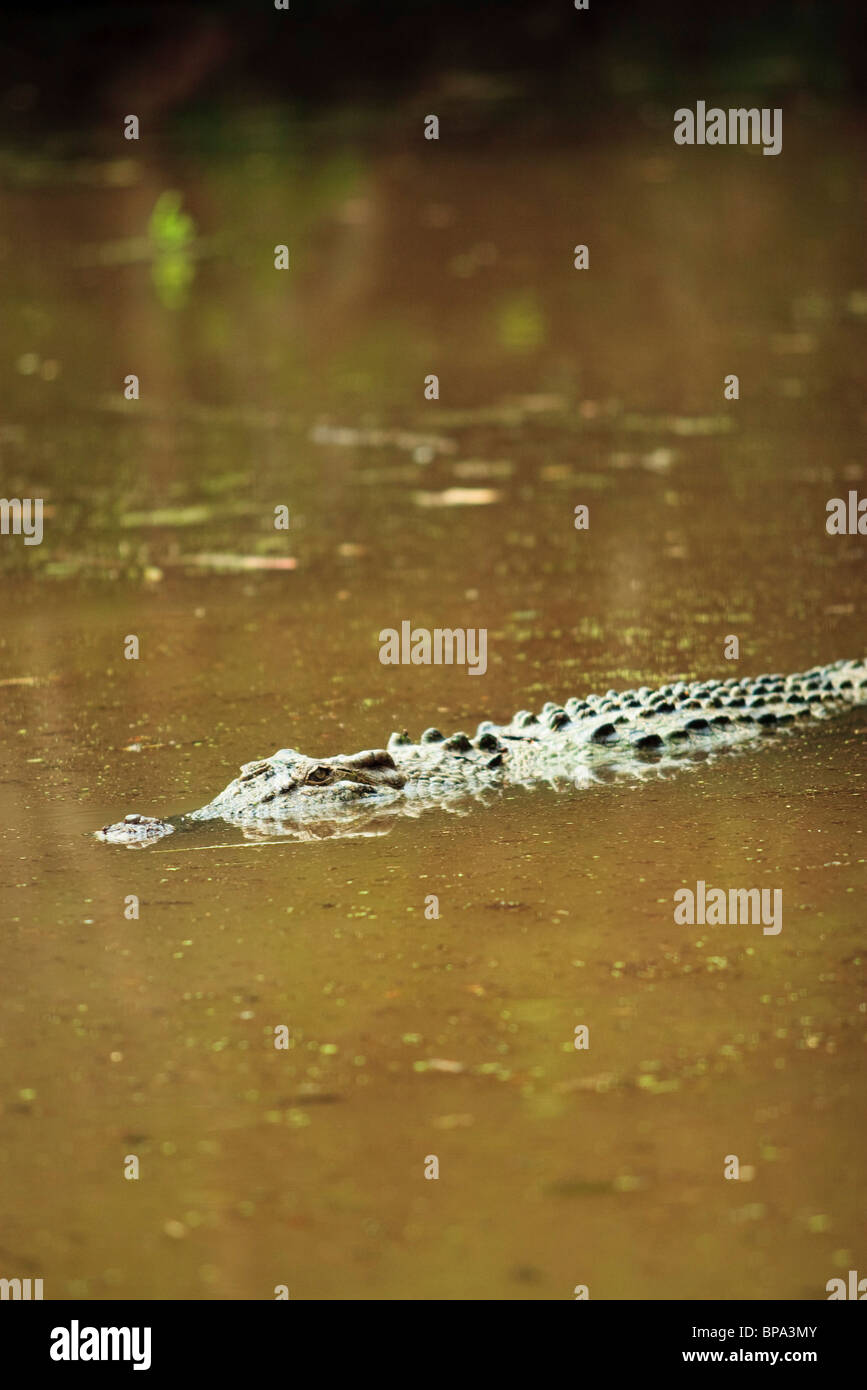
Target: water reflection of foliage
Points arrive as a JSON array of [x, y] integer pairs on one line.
[[172, 233]]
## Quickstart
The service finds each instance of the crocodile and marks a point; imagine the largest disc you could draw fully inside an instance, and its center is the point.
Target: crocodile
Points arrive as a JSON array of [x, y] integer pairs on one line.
[[600, 737]]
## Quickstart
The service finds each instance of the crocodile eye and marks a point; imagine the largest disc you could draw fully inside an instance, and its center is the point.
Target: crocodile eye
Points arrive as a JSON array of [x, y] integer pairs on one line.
[[319, 774]]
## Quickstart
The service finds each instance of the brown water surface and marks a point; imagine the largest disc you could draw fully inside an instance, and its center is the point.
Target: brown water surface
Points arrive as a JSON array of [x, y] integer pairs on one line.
[[413, 1036]]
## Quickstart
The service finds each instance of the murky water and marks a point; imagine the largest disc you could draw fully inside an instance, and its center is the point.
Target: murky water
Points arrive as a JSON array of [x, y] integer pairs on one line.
[[413, 1037]]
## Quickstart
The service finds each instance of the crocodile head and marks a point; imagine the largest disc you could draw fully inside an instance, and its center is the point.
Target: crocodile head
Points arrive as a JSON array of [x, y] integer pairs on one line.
[[288, 787]]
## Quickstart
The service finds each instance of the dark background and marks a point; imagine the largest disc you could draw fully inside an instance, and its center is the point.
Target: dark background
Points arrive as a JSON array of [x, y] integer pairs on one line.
[[91, 61]]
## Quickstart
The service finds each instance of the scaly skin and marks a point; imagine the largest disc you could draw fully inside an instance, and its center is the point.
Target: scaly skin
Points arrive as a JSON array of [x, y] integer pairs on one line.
[[627, 734]]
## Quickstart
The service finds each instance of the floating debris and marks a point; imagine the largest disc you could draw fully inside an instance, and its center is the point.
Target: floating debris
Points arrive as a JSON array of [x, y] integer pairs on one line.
[[457, 497], [481, 468], [439, 1064], [397, 473], [678, 424], [601, 1083], [195, 515], [505, 414], [29, 680], [217, 561], [563, 473], [348, 438]]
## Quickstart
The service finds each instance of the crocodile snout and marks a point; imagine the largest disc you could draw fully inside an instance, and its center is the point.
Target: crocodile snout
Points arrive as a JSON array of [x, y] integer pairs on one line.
[[134, 830]]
